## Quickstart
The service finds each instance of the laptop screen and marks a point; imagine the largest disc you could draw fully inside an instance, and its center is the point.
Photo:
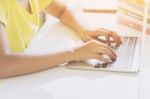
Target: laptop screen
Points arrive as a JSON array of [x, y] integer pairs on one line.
[[144, 30]]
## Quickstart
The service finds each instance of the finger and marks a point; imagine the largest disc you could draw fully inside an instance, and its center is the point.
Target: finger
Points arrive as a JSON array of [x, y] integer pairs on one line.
[[95, 34], [116, 38], [104, 41], [99, 33], [113, 34], [99, 44], [107, 47], [87, 38], [105, 60], [108, 40], [107, 52], [107, 36]]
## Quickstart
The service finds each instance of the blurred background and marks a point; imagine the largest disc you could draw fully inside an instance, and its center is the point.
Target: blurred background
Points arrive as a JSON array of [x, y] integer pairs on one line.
[[129, 12]]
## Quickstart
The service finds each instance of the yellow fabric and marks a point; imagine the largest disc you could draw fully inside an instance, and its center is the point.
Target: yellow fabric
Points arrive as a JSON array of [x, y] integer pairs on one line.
[[21, 26], [44, 3], [140, 2]]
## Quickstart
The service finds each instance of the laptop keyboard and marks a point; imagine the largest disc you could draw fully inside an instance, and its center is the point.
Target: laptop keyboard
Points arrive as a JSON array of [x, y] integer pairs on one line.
[[125, 54]]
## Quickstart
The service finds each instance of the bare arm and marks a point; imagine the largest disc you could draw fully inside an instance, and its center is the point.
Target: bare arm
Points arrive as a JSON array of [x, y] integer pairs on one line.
[[14, 64], [73, 17], [67, 14]]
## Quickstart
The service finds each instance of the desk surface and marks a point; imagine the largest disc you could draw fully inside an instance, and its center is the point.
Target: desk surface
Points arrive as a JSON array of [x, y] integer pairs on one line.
[[63, 83]]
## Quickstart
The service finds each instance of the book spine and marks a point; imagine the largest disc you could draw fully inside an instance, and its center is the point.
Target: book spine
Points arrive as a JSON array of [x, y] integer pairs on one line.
[[130, 14], [132, 24]]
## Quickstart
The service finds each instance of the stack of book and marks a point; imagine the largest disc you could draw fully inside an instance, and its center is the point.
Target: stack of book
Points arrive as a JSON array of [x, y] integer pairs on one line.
[[131, 12]]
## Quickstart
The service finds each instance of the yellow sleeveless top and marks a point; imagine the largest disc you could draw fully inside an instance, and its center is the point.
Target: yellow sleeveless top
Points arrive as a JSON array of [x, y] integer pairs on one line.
[[21, 26]]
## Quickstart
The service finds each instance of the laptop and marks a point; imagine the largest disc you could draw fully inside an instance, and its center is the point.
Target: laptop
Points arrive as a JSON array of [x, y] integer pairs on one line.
[[129, 54]]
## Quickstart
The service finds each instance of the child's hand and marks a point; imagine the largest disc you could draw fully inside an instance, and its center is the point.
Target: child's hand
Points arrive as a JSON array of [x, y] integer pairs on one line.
[[94, 50], [110, 36]]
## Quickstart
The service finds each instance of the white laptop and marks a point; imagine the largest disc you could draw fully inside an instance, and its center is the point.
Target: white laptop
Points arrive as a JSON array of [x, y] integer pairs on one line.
[[127, 61], [129, 55]]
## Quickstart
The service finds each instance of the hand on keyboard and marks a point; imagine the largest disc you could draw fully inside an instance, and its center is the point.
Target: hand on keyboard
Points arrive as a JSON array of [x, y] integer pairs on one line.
[[94, 50], [109, 37]]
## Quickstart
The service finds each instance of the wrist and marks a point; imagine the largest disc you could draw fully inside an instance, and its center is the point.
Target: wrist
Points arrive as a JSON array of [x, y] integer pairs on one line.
[[74, 55], [71, 57]]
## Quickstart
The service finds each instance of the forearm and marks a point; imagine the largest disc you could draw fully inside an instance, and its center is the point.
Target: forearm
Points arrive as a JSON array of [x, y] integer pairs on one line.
[[13, 64], [70, 15], [73, 17], [20, 64]]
